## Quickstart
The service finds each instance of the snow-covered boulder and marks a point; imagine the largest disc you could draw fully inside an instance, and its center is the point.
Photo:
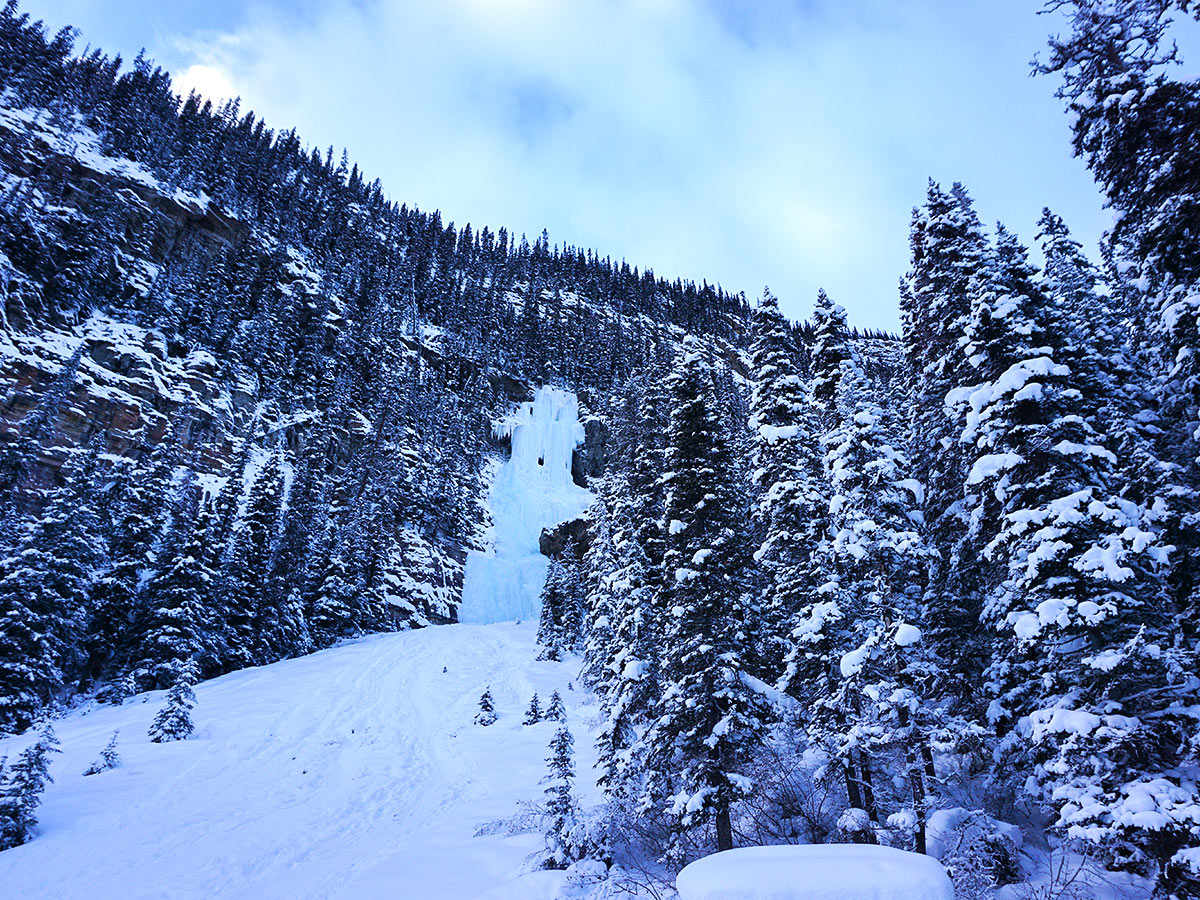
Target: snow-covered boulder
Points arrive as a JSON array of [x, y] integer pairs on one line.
[[815, 872]]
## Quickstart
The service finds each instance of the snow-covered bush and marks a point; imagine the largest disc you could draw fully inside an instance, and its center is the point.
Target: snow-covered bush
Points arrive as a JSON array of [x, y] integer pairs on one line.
[[979, 852], [21, 787], [109, 758], [487, 709], [174, 721], [795, 799]]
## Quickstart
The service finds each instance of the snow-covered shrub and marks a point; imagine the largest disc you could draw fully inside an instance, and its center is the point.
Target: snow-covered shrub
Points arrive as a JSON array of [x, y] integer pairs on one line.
[[854, 826], [21, 787], [174, 721], [1066, 876], [487, 709], [636, 842], [1182, 877], [979, 852], [795, 798], [588, 837], [109, 758]]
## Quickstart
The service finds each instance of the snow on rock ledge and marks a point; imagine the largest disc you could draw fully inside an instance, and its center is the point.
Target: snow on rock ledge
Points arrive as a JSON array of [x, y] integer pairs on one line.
[[815, 872]]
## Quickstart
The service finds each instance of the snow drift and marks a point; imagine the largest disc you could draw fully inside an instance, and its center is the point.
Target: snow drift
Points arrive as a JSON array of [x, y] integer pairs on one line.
[[815, 872]]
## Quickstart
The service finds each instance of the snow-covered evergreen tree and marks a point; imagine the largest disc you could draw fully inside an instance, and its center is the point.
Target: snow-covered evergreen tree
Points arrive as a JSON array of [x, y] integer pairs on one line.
[[175, 623], [43, 595], [629, 658], [21, 787], [829, 350], [878, 557], [533, 715], [560, 622], [561, 806], [1133, 126], [487, 709], [789, 509], [245, 579], [144, 511], [948, 251], [173, 722], [1076, 604], [555, 712], [599, 604], [333, 606], [706, 721]]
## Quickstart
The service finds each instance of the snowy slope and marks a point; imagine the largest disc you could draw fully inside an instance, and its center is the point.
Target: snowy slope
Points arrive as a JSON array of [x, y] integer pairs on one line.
[[533, 490], [354, 772]]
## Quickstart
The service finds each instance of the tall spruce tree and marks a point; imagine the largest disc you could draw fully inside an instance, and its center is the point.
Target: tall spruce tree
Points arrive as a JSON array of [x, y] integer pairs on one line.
[[949, 250], [829, 349], [706, 721], [143, 515], [246, 576], [630, 657], [177, 621], [877, 559], [553, 624], [790, 509], [1075, 605]]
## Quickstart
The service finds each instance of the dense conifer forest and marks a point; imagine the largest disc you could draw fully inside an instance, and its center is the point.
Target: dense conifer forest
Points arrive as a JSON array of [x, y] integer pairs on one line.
[[909, 589]]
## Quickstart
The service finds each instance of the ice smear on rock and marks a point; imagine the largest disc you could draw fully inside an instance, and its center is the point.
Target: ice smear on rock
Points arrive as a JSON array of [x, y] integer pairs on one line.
[[815, 872], [532, 491]]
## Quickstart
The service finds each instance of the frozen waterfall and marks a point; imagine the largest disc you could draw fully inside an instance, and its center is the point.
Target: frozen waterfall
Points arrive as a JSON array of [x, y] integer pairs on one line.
[[532, 491]]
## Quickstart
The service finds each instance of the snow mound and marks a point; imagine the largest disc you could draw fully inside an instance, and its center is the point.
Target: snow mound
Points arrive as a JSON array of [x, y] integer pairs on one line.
[[815, 872], [533, 490]]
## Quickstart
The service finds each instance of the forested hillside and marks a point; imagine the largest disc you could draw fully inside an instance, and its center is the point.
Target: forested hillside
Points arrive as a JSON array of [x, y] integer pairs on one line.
[[935, 590], [247, 397]]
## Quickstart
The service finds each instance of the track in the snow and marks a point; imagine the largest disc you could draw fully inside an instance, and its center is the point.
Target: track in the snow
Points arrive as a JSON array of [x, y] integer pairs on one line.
[[355, 772]]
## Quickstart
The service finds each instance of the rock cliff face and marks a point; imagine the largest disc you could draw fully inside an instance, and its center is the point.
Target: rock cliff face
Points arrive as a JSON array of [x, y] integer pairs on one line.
[[131, 382], [123, 385], [126, 393], [590, 460], [553, 541]]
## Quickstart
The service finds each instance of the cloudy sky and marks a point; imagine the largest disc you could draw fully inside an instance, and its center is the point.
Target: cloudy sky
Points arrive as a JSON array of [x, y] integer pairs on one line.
[[779, 142]]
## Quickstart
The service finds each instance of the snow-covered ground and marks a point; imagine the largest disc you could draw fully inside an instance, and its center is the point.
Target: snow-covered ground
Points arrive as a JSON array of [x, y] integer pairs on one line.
[[533, 490], [815, 872], [355, 772]]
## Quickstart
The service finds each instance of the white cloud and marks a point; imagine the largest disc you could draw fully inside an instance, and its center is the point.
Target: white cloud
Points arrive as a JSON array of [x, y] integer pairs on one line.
[[209, 81]]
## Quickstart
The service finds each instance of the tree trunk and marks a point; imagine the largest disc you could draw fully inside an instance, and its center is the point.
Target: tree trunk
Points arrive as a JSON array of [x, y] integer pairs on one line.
[[852, 793], [724, 828], [868, 789], [916, 781]]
